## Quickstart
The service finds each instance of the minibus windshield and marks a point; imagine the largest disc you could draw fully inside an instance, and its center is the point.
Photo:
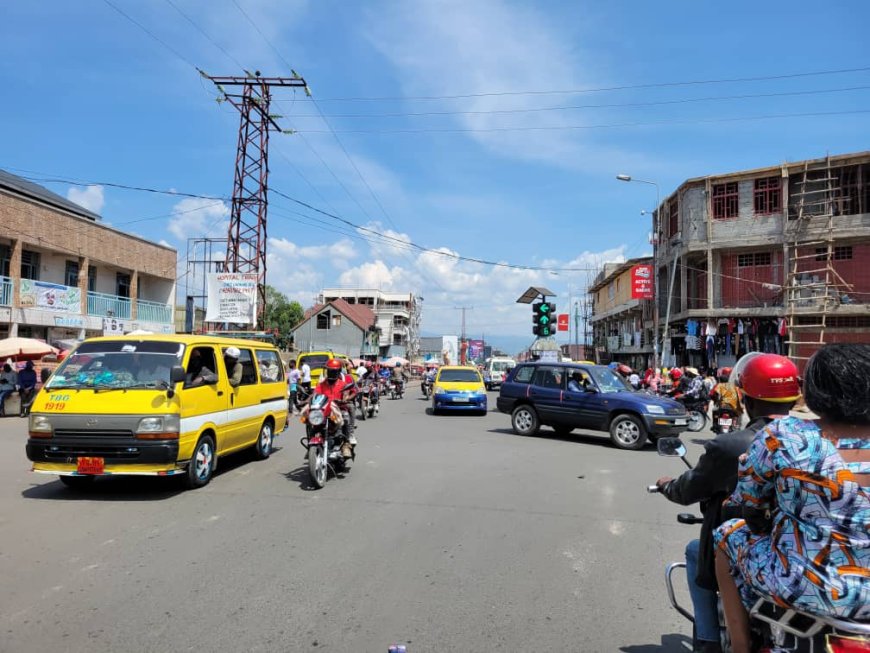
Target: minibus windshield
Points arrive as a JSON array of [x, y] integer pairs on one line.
[[118, 364]]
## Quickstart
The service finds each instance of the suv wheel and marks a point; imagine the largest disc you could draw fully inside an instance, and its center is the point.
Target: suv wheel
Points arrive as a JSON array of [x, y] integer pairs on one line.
[[524, 420], [627, 432]]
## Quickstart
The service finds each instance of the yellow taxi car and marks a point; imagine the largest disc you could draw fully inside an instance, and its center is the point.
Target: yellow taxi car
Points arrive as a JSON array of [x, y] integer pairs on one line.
[[460, 388], [156, 405]]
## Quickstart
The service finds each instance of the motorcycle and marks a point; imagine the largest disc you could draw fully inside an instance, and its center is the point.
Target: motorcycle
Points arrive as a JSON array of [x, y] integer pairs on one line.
[[302, 396], [327, 425], [397, 388], [697, 409], [725, 420], [786, 630], [368, 400], [426, 387]]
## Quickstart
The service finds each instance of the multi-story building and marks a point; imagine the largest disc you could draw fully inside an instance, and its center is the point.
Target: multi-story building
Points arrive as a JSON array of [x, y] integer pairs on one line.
[[766, 259], [398, 317], [62, 271], [621, 325]]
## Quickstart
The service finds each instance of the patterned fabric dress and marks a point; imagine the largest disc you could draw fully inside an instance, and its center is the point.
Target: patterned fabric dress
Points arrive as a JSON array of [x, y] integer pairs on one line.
[[816, 556]]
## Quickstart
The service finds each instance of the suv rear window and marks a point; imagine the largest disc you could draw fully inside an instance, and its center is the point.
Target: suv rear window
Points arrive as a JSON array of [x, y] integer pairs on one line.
[[524, 374], [314, 360]]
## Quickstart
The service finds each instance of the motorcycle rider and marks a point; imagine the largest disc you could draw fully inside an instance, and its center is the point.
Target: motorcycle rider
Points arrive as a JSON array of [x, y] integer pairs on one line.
[[399, 375], [429, 377], [714, 478], [334, 385], [725, 396]]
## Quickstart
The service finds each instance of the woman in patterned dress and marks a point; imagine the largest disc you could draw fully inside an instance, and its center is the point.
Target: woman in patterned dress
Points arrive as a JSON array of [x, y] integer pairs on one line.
[[804, 486]]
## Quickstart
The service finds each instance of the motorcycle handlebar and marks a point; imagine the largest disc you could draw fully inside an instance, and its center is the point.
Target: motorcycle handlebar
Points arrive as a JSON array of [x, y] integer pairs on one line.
[[652, 489]]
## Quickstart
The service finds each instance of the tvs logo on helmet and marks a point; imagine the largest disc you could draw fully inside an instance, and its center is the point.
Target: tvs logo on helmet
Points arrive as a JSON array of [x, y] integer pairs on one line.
[[782, 380]]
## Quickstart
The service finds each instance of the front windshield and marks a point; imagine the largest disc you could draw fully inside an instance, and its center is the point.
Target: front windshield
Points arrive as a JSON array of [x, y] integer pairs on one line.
[[459, 376], [608, 381], [118, 364]]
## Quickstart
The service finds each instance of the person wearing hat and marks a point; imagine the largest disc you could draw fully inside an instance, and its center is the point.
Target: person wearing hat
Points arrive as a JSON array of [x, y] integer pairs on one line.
[[234, 367]]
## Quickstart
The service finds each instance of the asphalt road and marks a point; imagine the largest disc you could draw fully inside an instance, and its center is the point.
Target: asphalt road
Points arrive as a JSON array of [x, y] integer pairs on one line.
[[451, 533]]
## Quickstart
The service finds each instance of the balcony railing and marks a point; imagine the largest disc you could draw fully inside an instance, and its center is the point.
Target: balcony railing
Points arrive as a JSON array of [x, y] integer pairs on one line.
[[153, 312], [5, 291], [108, 305]]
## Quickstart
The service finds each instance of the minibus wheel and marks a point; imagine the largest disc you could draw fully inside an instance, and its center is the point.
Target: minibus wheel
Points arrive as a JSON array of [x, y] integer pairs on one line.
[[202, 462], [265, 440]]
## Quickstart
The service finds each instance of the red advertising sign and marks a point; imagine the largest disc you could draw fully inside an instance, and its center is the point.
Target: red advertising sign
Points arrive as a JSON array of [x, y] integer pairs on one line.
[[562, 322], [642, 282]]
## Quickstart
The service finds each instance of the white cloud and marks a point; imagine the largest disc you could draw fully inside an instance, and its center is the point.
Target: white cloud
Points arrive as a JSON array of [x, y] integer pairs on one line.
[[89, 197], [444, 47], [199, 217], [335, 254]]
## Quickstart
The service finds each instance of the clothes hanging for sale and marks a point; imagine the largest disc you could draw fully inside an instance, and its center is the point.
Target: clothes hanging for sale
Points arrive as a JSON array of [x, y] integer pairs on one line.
[[740, 327], [782, 326], [711, 328]]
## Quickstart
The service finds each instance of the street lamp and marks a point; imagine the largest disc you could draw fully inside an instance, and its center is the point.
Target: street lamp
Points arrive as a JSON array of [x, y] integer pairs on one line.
[[655, 219]]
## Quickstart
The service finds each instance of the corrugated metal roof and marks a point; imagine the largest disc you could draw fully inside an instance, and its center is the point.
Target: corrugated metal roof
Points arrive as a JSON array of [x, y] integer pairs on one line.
[[21, 186]]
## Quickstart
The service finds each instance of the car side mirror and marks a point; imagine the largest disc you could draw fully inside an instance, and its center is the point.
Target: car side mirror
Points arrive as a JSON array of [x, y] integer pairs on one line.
[[671, 447], [176, 374]]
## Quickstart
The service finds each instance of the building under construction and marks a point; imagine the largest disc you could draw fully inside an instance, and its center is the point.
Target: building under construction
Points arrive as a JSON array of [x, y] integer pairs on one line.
[[765, 260]]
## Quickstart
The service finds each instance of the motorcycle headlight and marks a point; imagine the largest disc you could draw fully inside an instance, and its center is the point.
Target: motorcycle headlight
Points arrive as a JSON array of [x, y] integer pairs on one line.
[[654, 409], [315, 417]]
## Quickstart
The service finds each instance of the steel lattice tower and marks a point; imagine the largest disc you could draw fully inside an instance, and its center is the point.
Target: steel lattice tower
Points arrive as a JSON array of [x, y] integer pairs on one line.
[[246, 236]]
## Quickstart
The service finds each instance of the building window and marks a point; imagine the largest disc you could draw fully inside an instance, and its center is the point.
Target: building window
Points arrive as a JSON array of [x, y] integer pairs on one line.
[[5, 260], [673, 217], [611, 290], [92, 278], [840, 253], [847, 192], [30, 265], [768, 195], [336, 321], [397, 339], [71, 274], [323, 321], [725, 201], [122, 284], [757, 259]]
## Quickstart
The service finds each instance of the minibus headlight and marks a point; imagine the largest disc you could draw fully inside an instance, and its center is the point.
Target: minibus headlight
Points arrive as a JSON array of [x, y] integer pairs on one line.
[[40, 426], [163, 427], [150, 425]]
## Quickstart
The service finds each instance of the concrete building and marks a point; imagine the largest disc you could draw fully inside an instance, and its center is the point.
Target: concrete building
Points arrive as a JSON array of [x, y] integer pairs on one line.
[[339, 327], [622, 327], [766, 259], [62, 271], [398, 317]]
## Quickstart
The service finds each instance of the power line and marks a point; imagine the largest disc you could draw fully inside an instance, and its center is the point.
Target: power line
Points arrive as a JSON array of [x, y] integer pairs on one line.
[[486, 112], [678, 121], [263, 36], [151, 34], [206, 35], [624, 87]]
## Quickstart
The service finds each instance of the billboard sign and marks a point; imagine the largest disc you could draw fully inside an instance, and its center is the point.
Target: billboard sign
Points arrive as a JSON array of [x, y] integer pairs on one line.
[[50, 296], [232, 297], [642, 282], [475, 350]]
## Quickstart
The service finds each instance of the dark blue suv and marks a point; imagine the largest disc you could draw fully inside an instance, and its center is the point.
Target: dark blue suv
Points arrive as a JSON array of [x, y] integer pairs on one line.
[[566, 396]]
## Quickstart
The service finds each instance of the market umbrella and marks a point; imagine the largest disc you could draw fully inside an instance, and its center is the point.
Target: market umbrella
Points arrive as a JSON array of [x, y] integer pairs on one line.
[[395, 360], [25, 348]]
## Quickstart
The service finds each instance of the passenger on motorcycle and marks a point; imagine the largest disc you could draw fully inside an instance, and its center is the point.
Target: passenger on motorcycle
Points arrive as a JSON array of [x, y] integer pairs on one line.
[[725, 396], [399, 375], [334, 385], [804, 489], [714, 478]]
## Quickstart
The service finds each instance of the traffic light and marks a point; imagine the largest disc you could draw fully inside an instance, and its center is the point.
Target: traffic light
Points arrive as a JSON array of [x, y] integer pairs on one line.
[[543, 319]]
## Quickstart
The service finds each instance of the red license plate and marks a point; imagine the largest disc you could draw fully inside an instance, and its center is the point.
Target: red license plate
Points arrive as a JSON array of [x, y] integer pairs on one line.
[[89, 465]]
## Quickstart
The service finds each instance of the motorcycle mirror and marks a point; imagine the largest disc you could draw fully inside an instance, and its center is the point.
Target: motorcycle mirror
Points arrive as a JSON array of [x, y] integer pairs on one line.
[[673, 447]]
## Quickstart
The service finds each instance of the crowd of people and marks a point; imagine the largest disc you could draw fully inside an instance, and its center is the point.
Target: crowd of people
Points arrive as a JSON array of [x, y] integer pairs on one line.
[[23, 382]]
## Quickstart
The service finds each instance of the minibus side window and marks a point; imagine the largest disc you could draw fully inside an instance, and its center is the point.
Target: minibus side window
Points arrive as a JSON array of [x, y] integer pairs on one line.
[[271, 369], [201, 367], [249, 372]]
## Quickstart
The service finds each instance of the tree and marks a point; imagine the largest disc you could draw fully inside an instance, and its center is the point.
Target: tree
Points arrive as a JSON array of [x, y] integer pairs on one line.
[[281, 315]]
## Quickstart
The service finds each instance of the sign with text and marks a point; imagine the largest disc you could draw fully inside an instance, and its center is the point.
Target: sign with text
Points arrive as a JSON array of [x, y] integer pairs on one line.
[[232, 297], [562, 322], [642, 282], [50, 296], [114, 327]]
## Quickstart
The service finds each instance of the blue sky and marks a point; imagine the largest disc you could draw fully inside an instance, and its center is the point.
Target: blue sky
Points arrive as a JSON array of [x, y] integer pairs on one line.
[[90, 96]]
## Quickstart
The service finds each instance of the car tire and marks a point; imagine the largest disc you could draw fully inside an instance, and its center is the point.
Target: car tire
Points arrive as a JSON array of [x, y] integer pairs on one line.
[[524, 420], [78, 482], [628, 432], [265, 440], [202, 463]]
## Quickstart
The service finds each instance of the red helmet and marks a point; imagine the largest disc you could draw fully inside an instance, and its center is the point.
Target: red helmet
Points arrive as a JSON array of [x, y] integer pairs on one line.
[[333, 369], [624, 369], [723, 374], [770, 377], [676, 374]]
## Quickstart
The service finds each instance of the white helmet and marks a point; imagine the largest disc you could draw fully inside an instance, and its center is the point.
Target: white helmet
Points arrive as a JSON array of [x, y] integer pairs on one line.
[[232, 352]]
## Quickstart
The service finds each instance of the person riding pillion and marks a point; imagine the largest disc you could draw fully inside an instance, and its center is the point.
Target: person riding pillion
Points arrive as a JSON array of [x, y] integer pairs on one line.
[[714, 478]]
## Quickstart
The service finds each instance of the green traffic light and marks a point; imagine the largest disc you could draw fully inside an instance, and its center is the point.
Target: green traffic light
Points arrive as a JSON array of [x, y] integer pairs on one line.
[[543, 320], [545, 308]]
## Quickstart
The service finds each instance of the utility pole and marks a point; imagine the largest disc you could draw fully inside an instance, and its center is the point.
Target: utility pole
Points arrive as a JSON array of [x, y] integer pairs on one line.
[[246, 244], [463, 343]]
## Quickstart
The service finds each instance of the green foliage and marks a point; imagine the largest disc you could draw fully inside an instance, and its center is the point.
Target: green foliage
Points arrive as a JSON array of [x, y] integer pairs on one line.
[[281, 314]]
